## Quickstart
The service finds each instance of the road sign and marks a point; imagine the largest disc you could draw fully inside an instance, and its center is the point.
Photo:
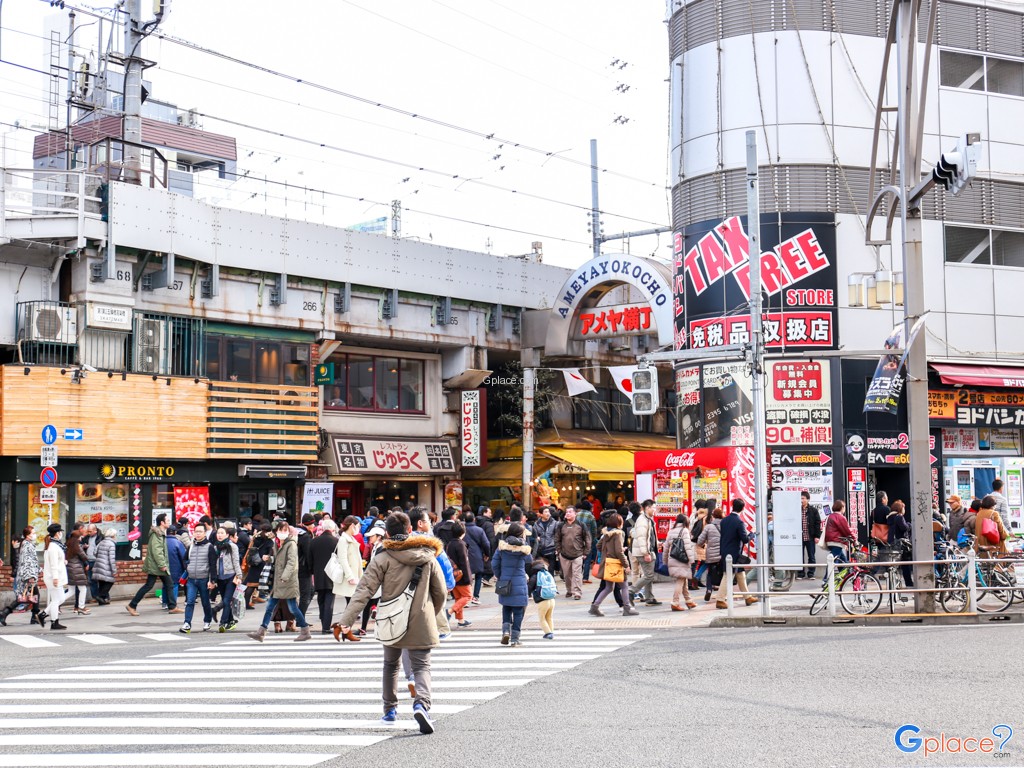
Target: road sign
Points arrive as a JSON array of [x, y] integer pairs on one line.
[[49, 434], [48, 495], [73, 434], [48, 455], [48, 477]]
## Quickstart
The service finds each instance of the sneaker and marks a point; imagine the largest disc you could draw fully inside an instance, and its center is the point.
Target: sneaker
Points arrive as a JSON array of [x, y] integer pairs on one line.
[[230, 626], [391, 716], [652, 601], [422, 718], [206, 626], [185, 629], [222, 628], [504, 638], [549, 636], [466, 623], [475, 601]]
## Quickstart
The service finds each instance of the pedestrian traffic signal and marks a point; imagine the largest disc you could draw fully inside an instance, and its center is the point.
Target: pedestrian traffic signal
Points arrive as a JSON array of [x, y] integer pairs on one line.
[[645, 391], [955, 169]]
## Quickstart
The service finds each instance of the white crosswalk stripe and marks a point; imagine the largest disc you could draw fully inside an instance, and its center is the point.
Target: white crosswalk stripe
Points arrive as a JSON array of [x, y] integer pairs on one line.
[[29, 641], [310, 703]]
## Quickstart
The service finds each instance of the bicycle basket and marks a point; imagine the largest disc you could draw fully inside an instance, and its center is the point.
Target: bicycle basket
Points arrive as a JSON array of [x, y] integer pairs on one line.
[[858, 557], [887, 555]]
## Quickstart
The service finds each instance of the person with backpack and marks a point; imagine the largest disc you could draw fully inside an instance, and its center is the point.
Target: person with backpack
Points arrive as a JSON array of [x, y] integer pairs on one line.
[[544, 590], [701, 516], [680, 554], [510, 563]]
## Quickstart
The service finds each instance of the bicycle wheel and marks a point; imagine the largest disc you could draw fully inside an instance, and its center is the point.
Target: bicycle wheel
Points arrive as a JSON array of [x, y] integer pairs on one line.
[[782, 581], [894, 578], [860, 593], [819, 604], [953, 595], [999, 594]]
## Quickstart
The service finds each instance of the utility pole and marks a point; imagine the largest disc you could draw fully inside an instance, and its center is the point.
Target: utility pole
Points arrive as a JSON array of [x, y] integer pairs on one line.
[[595, 213], [131, 132], [530, 361], [757, 369], [69, 145]]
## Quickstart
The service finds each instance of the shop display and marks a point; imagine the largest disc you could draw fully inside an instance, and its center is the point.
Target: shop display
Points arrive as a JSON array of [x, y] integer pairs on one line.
[[104, 505]]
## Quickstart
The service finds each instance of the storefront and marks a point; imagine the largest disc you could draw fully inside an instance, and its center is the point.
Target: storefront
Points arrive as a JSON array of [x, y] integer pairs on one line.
[[128, 495]]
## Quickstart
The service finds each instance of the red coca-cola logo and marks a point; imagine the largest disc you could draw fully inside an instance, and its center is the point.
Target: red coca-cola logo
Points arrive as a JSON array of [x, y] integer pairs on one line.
[[680, 460], [743, 480]]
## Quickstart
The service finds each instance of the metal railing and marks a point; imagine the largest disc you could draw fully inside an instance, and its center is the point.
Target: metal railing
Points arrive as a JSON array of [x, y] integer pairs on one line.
[[30, 192]]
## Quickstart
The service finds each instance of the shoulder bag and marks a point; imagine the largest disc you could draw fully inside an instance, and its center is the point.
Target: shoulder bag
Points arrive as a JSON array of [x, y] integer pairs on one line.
[[990, 530], [880, 531], [333, 569], [393, 615], [613, 570], [503, 588]]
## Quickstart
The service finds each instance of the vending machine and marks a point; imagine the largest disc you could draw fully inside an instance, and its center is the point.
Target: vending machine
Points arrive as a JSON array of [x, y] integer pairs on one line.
[[676, 479]]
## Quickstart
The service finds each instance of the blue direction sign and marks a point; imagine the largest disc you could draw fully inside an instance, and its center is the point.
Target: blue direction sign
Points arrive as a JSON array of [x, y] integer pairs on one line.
[[49, 434], [73, 434], [48, 477]]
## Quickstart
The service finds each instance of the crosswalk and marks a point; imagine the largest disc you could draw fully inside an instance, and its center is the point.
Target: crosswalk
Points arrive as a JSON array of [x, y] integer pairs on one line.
[[276, 703], [53, 640]]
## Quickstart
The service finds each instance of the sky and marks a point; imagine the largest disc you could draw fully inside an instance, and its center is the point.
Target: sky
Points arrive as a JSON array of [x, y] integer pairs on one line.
[[476, 114]]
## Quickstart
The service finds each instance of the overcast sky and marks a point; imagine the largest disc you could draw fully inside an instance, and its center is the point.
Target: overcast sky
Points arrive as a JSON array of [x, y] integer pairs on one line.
[[549, 76]]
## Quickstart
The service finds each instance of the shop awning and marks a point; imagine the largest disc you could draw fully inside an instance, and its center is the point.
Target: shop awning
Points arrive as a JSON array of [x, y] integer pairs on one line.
[[600, 464], [981, 375], [504, 472]]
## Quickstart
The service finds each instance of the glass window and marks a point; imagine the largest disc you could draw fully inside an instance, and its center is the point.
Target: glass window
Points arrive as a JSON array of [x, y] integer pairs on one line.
[[213, 363], [268, 362], [1007, 248], [411, 379], [40, 515], [962, 70], [968, 245], [387, 383], [336, 394], [296, 364], [239, 360], [360, 380], [1006, 77]]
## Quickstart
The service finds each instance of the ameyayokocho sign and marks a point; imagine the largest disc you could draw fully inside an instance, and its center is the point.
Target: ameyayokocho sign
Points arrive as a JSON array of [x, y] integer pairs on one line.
[[798, 277], [614, 321]]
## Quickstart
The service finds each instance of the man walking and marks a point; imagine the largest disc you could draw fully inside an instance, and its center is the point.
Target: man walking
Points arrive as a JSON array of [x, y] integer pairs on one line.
[[544, 538], [1002, 505], [734, 536], [305, 541], [200, 557], [405, 561], [811, 524], [644, 551], [90, 541], [572, 544], [156, 566]]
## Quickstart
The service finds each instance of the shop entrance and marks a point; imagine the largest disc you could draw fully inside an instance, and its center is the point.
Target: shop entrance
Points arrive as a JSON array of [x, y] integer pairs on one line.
[[895, 482]]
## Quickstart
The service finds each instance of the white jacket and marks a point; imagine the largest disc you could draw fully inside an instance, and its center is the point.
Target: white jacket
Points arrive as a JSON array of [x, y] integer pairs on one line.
[[351, 561], [55, 566], [641, 534]]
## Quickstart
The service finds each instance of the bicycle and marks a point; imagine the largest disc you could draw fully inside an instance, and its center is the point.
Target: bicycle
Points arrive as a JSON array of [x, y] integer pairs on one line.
[[893, 571], [859, 592], [995, 588]]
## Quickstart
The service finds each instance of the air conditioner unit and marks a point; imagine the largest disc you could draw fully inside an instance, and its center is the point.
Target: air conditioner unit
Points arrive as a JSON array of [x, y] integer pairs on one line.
[[45, 322], [151, 352]]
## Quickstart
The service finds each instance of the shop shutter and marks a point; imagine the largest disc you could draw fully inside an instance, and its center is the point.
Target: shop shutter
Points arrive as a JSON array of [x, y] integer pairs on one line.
[[1005, 33]]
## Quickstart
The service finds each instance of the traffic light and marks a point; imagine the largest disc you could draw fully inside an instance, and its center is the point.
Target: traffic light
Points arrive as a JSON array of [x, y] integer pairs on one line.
[[645, 391], [958, 167]]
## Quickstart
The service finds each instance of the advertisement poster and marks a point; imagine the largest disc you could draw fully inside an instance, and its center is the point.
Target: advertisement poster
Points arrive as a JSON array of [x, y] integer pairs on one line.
[[318, 497], [104, 505], [798, 277], [190, 504], [857, 496], [970, 407], [792, 473], [453, 494], [688, 396], [41, 515]]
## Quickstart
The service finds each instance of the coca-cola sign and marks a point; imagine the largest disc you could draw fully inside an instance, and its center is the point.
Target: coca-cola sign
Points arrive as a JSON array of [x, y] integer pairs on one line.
[[680, 460]]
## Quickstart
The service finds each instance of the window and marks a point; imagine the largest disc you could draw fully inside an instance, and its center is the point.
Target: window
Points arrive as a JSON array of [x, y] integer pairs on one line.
[[239, 360], [230, 358], [998, 247], [981, 73], [378, 384]]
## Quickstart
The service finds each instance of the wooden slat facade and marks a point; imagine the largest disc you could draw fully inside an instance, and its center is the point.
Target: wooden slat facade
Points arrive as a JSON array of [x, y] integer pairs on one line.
[[139, 417]]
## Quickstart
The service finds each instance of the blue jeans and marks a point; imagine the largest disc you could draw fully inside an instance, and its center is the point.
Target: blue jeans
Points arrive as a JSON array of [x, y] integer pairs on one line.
[[293, 606], [839, 554], [175, 586], [513, 615], [478, 580], [201, 588], [590, 559], [227, 591]]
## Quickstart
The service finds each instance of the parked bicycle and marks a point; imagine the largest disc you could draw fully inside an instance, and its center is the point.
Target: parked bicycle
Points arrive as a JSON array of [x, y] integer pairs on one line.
[[892, 572], [994, 585], [859, 592]]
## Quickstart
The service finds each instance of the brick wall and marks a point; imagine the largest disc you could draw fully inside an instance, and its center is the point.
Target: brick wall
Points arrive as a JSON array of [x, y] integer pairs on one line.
[[128, 572]]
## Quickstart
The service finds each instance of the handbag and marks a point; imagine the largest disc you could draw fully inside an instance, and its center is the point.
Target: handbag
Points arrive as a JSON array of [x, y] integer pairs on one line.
[[880, 531], [990, 530], [595, 570], [743, 558], [333, 569], [503, 587], [613, 570], [660, 565], [392, 622]]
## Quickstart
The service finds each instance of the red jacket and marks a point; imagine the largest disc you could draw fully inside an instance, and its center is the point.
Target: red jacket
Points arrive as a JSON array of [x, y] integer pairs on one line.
[[836, 528]]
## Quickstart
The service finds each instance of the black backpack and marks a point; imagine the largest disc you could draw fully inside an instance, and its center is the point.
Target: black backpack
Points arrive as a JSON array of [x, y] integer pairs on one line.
[[678, 550], [695, 531]]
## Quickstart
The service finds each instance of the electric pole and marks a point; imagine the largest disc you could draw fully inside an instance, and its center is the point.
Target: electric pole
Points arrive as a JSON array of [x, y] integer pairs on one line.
[[132, 126]]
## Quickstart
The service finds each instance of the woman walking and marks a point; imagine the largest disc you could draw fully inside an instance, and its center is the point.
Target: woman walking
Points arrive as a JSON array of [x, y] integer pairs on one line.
[[458, 553], [104, 566], [77, 565], [350, 558], [26, 571], [711, 539], [286, 583], [614, 567], [55, 575], [681, 571], [228, 575], [320, 551], [261, 547], [510, 563]]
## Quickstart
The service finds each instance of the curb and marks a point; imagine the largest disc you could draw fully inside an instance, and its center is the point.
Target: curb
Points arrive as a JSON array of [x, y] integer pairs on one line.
[[866, 621]]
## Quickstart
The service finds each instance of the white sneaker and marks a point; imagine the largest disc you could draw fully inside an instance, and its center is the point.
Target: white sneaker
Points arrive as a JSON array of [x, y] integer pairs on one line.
[[185, 629], [206, 626]]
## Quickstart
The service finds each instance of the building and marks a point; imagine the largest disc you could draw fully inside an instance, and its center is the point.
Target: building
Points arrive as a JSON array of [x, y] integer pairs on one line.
[[805, 76]]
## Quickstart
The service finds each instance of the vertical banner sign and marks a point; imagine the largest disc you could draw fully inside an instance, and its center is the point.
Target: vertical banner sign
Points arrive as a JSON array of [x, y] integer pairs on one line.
[[318, 497], [689, 400], [857, 495], [798, 276], [883, 395], [470, 428]]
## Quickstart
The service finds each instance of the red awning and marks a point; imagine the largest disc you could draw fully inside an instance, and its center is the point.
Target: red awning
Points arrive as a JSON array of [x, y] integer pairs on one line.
[[981, 375]]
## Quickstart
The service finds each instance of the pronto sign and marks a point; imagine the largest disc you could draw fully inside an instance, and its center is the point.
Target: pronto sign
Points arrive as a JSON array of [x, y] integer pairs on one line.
[[586, 286]]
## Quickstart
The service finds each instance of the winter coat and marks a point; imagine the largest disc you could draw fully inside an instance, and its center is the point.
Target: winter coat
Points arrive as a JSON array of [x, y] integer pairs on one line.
[[76, 570], [586, 519], [983, 543], [89, 544], [813, 523], [351, 562], [156, 563], [28, 564], [734, 536], [458, 553], [286, 571], [703, 517], [572, 540], [479, 547], [487, 525], [391, 571], [54, 565], [104, 567], [509, 564], [444, 532], [260, 545], [321, 549], [544, 536], [676, 569], [645, 541], [225, 565], [711, 539], [611, 546], [201, 557], [956, 521], [898, 527], [177, 559], [837, 528], [305, 541]]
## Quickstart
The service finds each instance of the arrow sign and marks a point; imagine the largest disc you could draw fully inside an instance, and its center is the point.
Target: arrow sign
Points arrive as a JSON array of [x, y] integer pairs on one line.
[[49, 434], [824, 458], [48, 477], [932, 459], [73, 434]]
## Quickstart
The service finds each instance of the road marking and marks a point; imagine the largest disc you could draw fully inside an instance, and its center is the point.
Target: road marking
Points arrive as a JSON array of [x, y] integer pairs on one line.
[[315, 683], [222, 724], [75, 760], [190, 708], [252, 692], [554, 666], [29, 641], [178, 737], [97, 639], [162, 637], [370, 675]]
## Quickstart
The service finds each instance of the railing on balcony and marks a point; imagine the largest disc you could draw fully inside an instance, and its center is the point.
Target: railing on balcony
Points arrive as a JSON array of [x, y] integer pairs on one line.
[[262, 421]]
